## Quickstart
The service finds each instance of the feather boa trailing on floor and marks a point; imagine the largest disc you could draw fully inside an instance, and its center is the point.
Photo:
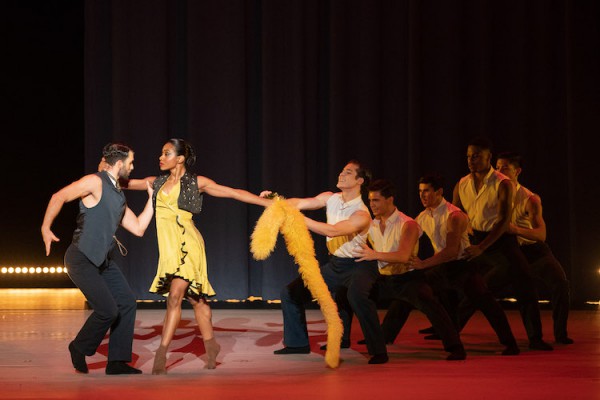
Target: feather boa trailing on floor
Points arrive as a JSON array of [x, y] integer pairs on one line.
[[281, 216]]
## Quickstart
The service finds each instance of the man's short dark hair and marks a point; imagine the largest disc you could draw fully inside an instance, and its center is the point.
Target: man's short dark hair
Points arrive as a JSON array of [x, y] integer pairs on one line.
[[114, 152], [482, 142], [435, 180], [385, 187], [515, 159]]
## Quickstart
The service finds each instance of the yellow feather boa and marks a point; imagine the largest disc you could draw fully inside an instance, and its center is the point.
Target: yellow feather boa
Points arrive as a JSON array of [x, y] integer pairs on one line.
[[282, 216]]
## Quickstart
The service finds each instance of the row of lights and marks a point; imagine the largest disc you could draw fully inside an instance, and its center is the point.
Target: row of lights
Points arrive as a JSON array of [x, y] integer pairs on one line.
[[33, 270]]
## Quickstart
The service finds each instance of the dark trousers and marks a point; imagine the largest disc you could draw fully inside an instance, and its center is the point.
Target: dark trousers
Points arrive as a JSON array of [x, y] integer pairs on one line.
[[358, 278], [408, 291], [395, 317], [462, 277], [412, 289], [548, 273], [399, 310], [113, 304], [502, 265]]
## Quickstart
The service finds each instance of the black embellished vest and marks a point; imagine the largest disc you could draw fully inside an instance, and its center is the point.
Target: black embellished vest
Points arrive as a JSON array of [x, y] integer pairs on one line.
[[96, 226], [190, 198]]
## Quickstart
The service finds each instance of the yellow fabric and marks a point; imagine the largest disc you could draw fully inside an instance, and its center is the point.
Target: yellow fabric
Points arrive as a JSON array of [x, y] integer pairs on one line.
[[335, 243], [399, 268], [180, 246], [395, 269], [282, 216]]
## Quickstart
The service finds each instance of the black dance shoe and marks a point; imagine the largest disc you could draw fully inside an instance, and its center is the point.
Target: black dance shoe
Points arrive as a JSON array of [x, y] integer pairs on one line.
[[121, 368], [379, 359], [565, 340], [293, 350], [457, 355], [426, 331], [344, 345], [78, 359], [511, 350], [540, 345]]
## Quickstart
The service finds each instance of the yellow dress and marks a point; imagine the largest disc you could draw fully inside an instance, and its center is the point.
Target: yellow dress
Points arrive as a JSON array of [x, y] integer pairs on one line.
[[180, 247]]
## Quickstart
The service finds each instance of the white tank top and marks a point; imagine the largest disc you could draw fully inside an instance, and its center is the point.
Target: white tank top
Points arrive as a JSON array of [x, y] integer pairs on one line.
[[482, 206], [389, 241], [520, 216], [435, 225], [337, 211]]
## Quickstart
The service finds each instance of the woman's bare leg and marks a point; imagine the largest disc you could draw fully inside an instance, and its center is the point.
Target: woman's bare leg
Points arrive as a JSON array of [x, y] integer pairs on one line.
[[203, 315], [177, 292]]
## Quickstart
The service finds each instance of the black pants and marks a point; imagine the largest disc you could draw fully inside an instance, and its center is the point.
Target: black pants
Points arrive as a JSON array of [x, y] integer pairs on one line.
[[412, 288], [502, 265], [463, 279], [550, 275], [452, 282], [408, 291], [356, 280], [113, 304]]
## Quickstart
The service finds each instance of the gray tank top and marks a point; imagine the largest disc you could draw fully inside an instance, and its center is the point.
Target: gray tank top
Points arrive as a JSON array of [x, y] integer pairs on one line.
[[96, 226]]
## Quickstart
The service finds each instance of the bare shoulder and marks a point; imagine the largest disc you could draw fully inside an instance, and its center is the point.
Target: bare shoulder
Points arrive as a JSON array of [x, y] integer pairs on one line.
[[412, 226], [535, 199], [457, 216], [535, 203], [86, 185], [361, 213], [506, 187], [91, 179], [203, 181], [457, 220], [361, 219], [412, 223]]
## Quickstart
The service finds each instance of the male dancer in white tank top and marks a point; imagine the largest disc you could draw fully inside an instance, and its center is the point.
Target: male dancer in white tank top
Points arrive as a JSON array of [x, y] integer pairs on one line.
[[347, 225], [446, 226], [486, 196], [395, 239], [529, 226]]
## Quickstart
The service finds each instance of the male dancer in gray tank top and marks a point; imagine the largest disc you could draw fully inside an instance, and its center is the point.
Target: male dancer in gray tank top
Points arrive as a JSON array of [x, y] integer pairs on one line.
[[102, 208]]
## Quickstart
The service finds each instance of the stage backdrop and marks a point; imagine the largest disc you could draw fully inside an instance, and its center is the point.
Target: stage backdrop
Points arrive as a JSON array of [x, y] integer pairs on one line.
[[280, 94]]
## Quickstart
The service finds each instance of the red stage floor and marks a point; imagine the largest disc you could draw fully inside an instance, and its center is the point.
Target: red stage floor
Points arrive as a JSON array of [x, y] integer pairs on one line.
[[35, 363]]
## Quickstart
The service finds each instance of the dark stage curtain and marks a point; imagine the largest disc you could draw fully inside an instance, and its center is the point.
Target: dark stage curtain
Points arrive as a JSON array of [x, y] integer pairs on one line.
[[280, 94]]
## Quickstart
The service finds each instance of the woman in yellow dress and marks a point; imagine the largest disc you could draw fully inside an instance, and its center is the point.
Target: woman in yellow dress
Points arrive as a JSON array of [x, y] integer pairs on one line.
[[182, 271]]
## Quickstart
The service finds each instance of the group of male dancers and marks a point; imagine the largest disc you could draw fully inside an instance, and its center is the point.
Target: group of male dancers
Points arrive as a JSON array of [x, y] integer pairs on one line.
[[488, 242]]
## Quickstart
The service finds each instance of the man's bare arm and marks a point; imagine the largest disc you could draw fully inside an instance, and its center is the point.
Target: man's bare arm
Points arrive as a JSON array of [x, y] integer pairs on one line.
[[138, 224], [89, 185], [458, 223], [404, 252], [357, 223], [538, 230]]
